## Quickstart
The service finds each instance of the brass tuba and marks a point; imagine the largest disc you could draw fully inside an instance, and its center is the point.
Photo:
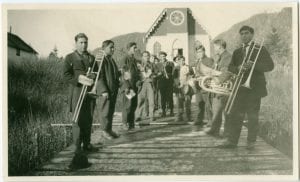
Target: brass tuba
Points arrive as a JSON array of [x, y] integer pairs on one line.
[[208, 80]]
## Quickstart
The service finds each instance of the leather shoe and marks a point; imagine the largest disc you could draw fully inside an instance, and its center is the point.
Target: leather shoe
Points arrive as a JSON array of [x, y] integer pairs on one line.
[[227, 145], [106, 135], [212, 133], [114, 134], [90, 148]]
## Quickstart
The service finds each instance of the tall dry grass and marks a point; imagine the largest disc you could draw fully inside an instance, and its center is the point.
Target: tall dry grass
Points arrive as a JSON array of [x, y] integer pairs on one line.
[[37, 97], [276, 125]]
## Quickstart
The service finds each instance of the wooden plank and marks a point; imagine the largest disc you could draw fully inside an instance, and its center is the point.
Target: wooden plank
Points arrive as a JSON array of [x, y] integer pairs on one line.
[[200, 166], [165, 148]]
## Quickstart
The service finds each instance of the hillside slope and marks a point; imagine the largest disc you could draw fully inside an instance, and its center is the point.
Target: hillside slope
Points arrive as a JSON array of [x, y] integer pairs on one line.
[[122, 40], [275, 28]]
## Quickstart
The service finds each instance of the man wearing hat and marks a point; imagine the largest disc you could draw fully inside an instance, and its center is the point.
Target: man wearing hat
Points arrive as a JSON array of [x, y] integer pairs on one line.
[[248, 100], [183, 90], [166, 83]]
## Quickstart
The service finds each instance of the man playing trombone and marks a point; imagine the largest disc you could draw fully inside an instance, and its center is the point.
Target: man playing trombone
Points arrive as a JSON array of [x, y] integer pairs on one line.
[[76, 65], [251, 63]]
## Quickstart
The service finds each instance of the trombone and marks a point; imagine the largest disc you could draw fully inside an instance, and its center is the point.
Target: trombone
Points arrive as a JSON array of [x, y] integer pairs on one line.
[[83, 92], [239, 77]]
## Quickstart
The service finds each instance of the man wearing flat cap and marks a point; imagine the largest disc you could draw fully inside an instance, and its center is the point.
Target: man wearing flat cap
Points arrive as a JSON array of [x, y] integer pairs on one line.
[[247, 100], [166, 84]]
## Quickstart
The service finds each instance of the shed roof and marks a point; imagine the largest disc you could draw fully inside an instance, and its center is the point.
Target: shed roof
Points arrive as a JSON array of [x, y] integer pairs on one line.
[[16, 42]]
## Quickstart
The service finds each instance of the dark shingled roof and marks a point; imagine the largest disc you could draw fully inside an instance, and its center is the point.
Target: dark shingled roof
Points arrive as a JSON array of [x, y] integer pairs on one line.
[[16, 42]]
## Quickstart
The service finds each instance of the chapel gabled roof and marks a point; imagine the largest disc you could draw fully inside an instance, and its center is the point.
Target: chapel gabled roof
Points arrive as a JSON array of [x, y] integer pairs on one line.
[[201, 29], [155, 24]]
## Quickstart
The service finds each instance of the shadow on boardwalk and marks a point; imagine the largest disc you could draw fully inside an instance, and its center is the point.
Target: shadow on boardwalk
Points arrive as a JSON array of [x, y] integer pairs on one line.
[[168, 149]]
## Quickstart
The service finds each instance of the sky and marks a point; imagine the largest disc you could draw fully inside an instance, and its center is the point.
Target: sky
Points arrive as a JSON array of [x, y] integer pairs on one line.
[[48, 26]]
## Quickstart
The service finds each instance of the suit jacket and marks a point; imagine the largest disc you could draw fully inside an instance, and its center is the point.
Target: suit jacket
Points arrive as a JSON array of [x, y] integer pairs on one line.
[[264, 64], [223, 62], [109, 77], [129, 64], [75, 65]]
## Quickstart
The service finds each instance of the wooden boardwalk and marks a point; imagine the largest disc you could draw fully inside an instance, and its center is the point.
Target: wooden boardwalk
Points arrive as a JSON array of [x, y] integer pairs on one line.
[[169, 148]]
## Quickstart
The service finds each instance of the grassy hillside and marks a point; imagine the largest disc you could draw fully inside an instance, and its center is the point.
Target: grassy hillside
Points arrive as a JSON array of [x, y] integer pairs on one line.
[[121, 42], [276, 110]]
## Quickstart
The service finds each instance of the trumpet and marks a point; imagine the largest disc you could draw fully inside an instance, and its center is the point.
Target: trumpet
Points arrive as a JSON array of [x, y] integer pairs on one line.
[[239, 77], [83, 92]]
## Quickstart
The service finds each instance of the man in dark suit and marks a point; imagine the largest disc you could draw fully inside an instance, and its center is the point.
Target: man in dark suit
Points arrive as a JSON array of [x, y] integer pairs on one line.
[[107, 88], [166, 84], [248, 100], [76, 65], [129, 86], [203, 98], [223, 58]]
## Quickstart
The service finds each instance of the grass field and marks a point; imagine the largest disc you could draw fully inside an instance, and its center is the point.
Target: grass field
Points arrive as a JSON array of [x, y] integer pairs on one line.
[[276, 127], [36, 98]]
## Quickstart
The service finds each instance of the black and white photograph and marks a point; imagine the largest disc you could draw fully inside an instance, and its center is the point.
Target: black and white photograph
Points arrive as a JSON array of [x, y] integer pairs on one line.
[[158, 90]]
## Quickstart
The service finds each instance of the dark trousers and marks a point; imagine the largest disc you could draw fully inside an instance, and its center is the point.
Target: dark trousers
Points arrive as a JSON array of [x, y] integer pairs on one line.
[[107, 109], [247, 102], [156, 95], [128, 110], [183, 104], [82, 129], [218, 104], [166, 94]]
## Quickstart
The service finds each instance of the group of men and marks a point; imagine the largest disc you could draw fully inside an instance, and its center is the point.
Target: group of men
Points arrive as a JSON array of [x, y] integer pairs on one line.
[[147, 85]]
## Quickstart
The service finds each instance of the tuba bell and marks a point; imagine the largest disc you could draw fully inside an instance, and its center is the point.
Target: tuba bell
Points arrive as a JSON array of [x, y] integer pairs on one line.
[[209, 80]]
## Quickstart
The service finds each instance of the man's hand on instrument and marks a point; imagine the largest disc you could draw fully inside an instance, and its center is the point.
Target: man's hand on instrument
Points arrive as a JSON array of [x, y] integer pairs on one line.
[[92, 75], [84, 80], [127, 75], [246, 66], [127, 91], [105, 94]]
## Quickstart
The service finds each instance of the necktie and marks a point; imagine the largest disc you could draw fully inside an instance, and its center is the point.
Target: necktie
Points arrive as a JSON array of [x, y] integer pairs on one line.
[[244, 50]]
